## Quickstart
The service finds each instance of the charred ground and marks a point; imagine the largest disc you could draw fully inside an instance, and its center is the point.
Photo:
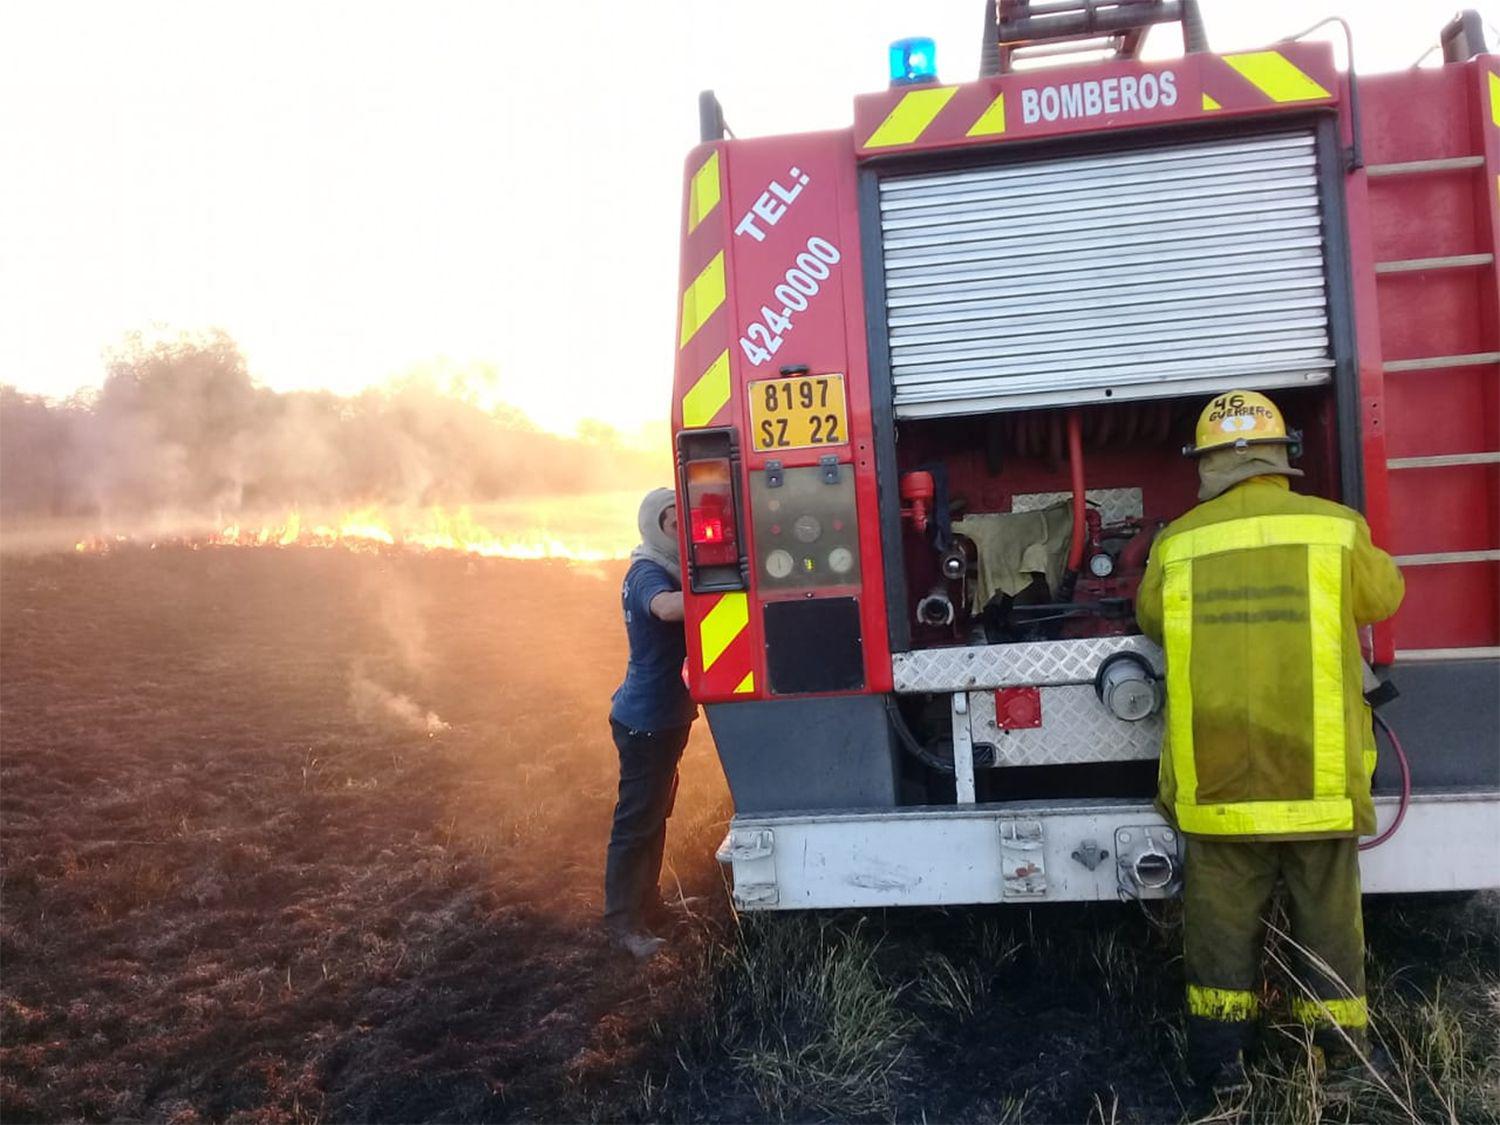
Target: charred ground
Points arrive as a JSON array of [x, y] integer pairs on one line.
[[242, 877], [309, 834]]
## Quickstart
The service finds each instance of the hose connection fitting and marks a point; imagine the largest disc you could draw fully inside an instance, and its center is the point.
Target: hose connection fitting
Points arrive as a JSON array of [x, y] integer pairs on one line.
[[1148, 861], [1127, 687]]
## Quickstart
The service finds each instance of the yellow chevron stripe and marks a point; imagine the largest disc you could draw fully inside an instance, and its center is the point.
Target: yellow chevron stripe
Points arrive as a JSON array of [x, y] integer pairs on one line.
[[913, 113], [703, 195], [1209, 104], [745, 686], [702, 297], [721, 625], [1495, 97], [1273, 75], [991, 122], [708, 394]]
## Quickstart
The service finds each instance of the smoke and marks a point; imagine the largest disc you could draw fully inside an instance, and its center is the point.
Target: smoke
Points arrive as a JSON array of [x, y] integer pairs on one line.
[[180, 430], [401, 605], [377, 705]]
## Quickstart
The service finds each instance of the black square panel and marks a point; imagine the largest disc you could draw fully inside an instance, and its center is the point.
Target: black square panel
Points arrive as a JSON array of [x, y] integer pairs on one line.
[[813, 644]]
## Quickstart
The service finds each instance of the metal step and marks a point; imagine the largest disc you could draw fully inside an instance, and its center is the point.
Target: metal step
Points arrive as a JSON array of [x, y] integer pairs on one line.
[[1445, 558], [1443, 460], [1424, 167], [1450, 262], [1439, 362], [1436, 654]]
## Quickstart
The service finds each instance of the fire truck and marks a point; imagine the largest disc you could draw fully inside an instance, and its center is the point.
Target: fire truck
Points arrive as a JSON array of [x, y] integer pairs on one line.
[[934, 377]]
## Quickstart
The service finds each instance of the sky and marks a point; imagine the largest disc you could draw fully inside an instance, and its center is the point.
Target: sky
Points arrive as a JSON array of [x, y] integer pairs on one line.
[[355, 192]]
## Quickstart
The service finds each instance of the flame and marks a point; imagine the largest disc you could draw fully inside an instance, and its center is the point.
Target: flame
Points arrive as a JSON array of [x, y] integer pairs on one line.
[[373, 528]]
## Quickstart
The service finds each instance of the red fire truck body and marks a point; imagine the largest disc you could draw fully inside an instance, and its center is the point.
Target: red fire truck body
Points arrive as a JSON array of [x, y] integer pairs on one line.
[[906, 347]]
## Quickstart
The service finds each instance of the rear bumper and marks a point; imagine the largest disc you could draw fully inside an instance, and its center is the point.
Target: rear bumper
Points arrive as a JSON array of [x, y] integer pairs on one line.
[[1049, 851]]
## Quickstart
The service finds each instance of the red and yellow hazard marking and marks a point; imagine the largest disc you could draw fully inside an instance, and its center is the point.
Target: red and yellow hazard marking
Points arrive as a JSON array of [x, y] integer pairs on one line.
[[720, 646], [703, 192], [909, 118], [703, 297], [1274, 75], [1495, 114], [1110, 95], [1490, 90], [724, 647], [991, 122], [704, 376], [708, 394]]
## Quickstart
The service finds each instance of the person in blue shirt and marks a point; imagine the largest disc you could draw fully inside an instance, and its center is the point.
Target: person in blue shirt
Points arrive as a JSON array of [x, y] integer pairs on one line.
[[650, 716]]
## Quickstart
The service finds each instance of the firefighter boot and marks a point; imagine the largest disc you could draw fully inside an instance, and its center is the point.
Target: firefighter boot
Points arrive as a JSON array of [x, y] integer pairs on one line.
[[1346, 1073], [1216, 1054]]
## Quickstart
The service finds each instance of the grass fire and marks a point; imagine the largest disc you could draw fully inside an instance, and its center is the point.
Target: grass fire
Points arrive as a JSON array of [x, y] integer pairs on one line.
[[587, 528], [964, 598]]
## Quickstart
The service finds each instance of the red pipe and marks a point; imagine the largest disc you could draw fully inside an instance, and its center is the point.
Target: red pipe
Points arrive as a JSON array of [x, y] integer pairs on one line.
[[1405, 785], [1075, 469], [1134, 554]]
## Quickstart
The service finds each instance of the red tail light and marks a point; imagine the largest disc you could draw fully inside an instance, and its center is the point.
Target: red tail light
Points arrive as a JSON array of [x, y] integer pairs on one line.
[[708, 488], [713, 532], [707, 528]]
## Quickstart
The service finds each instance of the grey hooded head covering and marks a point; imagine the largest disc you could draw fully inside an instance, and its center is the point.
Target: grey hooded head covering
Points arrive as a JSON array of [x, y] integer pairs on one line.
[[1219, 470], [656, 544]]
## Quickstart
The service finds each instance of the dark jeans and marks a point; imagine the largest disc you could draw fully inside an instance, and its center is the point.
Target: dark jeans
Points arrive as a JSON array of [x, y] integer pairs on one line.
[[648, 789]]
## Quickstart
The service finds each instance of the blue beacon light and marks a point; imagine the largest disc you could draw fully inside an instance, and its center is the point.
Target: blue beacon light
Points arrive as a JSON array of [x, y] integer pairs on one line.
[[913, 61]]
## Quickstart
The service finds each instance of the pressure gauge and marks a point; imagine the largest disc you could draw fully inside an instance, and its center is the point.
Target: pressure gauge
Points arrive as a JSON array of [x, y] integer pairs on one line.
[[1101, 565], [807, 529], [841, 560], [779, 563]]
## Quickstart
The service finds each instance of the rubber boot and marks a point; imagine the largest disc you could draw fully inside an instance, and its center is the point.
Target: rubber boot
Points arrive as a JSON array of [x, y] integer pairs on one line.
[[1216, 1053]]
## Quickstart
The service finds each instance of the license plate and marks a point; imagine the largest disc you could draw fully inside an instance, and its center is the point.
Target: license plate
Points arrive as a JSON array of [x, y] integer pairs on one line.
[[799, 412]]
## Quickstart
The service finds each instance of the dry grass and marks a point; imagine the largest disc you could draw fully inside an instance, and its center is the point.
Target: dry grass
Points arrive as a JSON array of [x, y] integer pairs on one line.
[[1062, 1014], [235, 884]]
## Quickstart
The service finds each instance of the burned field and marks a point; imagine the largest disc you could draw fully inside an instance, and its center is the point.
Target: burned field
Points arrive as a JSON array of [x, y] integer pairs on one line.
[[313, 834]]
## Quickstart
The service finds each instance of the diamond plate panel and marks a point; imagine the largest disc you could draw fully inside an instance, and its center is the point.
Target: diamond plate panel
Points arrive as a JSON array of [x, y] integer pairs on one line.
[[1114, 504], [1023, 665], [1075, 728]]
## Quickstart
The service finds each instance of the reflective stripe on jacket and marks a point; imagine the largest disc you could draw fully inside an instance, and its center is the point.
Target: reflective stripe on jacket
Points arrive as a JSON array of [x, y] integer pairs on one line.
[[1257, 597]]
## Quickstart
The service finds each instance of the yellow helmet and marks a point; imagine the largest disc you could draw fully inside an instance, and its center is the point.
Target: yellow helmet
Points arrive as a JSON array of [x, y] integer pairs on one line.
[[1236, 419]]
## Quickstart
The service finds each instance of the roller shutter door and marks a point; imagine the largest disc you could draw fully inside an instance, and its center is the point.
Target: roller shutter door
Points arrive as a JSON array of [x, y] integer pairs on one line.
[[1153, 272]]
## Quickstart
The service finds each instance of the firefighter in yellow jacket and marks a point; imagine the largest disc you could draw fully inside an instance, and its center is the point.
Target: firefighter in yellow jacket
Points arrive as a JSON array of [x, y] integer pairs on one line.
[[1257, 595]]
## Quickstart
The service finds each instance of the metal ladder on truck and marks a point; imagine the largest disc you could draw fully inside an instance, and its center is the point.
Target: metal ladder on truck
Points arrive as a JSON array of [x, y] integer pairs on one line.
[[1436, 228], [1034, 29]]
